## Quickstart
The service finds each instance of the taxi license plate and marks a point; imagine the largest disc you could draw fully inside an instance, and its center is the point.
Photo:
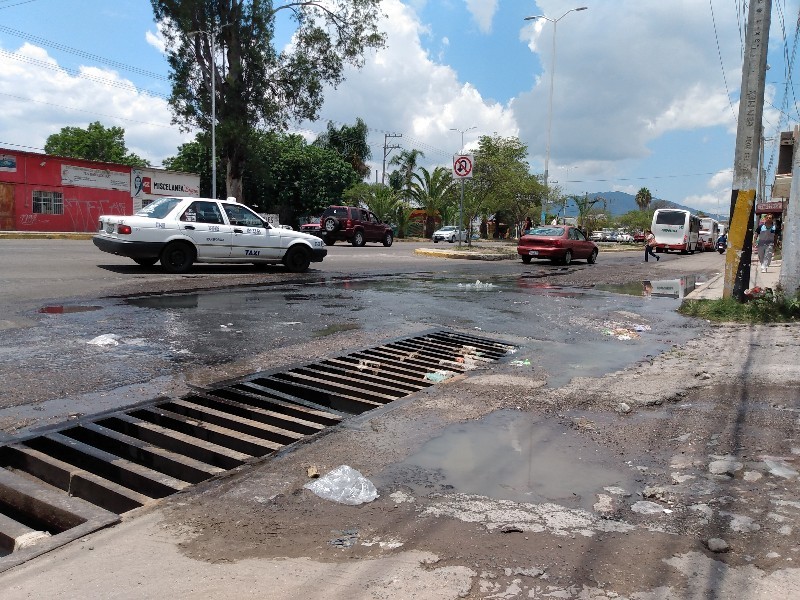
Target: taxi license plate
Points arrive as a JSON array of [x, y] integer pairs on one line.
[[533, 252]]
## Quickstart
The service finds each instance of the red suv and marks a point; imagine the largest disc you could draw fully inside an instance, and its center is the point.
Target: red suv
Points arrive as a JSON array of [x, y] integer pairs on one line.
[[355, 225]]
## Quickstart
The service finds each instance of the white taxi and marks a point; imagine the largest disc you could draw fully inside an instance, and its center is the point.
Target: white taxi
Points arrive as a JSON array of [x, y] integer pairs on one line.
[[181, 231]]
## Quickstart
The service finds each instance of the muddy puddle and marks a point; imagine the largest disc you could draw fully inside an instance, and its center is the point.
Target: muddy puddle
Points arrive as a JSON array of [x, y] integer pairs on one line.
[[514, 456], [676, 289]]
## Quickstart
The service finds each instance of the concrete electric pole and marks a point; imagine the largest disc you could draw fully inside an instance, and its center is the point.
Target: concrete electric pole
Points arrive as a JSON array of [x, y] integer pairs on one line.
[[790, 264], [386, 150], [748, 146]]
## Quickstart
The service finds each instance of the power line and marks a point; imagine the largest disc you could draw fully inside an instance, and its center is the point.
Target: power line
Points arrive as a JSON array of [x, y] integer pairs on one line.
[[91, 112], [70, 50], [17, 4], [719, 53], [76, 73], [646, 178]]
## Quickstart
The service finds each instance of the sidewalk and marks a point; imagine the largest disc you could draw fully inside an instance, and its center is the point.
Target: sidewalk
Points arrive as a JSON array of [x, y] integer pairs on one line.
[[715, 286]]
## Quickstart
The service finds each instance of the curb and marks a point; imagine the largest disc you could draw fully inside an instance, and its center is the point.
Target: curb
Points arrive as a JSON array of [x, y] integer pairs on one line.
[[463, 255]]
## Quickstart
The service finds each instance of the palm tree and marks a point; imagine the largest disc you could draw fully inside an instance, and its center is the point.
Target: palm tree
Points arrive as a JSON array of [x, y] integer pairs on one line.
[[643, 198], [407, 161], [432, 191]]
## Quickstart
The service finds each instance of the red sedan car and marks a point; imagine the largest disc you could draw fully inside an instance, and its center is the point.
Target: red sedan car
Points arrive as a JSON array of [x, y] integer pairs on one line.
[[558, 243]]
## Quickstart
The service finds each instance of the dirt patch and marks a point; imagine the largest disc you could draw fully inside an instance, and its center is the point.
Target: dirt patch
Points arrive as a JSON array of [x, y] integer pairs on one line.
[[709, 447]]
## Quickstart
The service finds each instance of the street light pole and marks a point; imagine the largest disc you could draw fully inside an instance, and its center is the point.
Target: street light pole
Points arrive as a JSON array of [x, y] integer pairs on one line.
[[213, 70], [461, 203], [213, 114], [550, 103]]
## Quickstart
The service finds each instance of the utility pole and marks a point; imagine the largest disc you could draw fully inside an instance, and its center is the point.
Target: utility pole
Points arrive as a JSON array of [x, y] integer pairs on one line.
[[790, 252], [748, 149], [386, 150]]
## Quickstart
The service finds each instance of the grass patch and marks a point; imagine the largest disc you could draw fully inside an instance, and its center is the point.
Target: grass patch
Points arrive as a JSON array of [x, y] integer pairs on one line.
[[771, 308]]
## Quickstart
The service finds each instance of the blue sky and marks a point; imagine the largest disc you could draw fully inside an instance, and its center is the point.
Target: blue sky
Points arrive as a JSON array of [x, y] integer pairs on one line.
[[645, 91]]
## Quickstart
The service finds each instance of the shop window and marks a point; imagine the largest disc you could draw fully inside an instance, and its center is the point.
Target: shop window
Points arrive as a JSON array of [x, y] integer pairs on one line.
[[48, 203]]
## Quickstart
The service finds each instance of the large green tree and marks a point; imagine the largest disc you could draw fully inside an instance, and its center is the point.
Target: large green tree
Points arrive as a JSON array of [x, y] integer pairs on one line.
[[350, 142], [194, 157], [288, 176], [285, 175], [96, 142], [502, 181], [229, 46]]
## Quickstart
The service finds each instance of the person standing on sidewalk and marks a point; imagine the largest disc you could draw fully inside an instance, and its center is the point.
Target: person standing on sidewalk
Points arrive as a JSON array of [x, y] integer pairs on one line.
[[649, 244], [765, 242]]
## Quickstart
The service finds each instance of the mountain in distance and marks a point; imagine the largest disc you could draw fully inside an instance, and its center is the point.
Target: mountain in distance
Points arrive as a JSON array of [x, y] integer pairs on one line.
[[619, 203]]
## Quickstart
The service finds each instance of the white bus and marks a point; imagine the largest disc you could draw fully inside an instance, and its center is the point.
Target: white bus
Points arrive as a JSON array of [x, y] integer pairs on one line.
[[676, 229], [709, 232]]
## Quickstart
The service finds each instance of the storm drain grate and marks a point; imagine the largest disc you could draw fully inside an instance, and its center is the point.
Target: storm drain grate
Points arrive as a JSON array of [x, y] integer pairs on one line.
[[61, 484]]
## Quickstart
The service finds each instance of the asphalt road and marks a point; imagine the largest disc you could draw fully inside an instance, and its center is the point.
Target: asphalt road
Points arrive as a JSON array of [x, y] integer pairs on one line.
[[623, 451], [82, 331]]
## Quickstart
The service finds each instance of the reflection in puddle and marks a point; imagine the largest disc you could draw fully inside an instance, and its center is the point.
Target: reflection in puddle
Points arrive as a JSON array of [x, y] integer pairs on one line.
[[166, 302], [59, 309], [657, 288], [513, 456]]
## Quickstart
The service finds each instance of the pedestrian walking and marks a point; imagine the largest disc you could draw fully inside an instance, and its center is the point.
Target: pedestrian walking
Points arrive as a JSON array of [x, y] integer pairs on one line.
[[528, 225], [649, 244], [765, 242]]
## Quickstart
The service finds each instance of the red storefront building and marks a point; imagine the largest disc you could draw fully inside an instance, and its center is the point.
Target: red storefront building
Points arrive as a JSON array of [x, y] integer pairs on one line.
[[39, 192]]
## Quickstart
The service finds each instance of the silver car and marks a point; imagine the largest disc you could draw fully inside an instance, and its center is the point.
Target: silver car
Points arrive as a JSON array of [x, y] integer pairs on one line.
[[449, 233]]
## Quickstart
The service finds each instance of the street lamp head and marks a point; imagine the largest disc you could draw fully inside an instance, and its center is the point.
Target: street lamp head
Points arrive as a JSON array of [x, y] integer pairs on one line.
[[546, 18]]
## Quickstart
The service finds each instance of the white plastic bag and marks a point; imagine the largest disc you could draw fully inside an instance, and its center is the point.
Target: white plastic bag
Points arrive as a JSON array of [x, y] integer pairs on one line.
[[344, 485]]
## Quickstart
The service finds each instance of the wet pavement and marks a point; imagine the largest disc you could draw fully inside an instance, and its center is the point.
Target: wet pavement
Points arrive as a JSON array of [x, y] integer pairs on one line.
[[82, 350]]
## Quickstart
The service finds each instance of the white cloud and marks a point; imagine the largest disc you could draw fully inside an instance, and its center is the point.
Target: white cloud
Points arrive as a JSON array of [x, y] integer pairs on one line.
[[40, 98], [156, 40], [626, 73], [402, 89], [483, 12]]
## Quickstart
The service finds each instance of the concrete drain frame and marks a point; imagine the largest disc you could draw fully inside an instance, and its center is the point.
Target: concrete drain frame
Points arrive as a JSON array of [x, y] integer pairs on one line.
[[64, 481]]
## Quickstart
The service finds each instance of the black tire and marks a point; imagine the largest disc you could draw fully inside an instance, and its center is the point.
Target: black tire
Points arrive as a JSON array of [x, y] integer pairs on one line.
[[526, 260], [297, 259], [145, 262], [435, 241], [452, 240], [388, 239], [358, 238], [329, 240], [177, 257], [330, 224], [567, 258], [592, 257]]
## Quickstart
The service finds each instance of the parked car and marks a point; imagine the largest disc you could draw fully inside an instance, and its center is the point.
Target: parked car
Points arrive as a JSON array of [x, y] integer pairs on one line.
[[179, 232], [312, 229], [596, 236], [449, 233], [638, 237], [624, 238], [355, 225], [558, 243]]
